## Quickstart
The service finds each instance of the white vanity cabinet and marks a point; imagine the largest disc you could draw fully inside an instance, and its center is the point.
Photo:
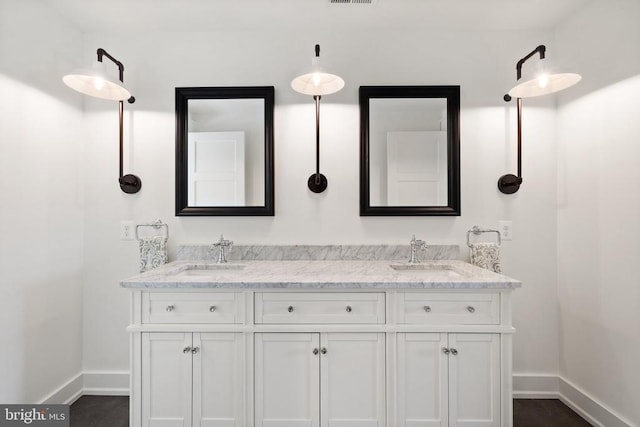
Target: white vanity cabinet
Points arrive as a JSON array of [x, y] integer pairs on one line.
[[325, 354], [192, 379], [448, 380], [320, 379]]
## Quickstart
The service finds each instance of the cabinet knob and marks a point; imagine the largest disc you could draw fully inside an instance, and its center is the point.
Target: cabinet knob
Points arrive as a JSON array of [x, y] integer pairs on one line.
[[445, 350], [349, 309], [290, 309], [170, 308], [316, 351], [427, 309], [323, 350], [212, 308], [454, 352], [195, 350], [186, 350], [471, 309]]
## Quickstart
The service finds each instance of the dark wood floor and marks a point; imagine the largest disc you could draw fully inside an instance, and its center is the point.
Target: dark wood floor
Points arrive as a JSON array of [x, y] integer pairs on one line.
[[113, 411], [100, 411], [544, 413]]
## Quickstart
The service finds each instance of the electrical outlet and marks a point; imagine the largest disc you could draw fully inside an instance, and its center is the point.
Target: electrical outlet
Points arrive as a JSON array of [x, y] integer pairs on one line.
[[126, 230], [506, 230]]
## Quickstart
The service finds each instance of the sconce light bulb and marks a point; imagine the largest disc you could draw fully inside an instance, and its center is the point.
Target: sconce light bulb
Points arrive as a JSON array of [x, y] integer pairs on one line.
[[543, 80], [316, 79], [98, 83]]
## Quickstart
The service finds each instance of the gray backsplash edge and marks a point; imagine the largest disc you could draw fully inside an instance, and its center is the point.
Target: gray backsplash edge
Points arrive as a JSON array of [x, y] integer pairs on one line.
[[317, 252]]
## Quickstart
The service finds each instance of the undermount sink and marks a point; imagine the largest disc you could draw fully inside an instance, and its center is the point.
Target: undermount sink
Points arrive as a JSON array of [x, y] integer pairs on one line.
[[428, 269], [210, 269]]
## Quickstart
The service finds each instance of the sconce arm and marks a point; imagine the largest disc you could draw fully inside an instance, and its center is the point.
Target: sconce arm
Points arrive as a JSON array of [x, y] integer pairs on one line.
[[317, 182], [542, 49], [129, 183], [509, 183], [101, 52]]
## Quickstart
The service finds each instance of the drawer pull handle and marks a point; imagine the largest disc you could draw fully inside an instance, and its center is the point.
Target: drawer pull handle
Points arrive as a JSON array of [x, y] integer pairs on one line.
[[195, 350], [471, 309], [316, 351], [186, 350], [454, 352], [170, 308], [445, 350], [349, 309], [290, 309], [427, 309], [323, 350], [212, 308]]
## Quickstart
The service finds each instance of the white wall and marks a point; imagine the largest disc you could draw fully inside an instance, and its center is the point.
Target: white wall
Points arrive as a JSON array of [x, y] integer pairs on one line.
[[482, 63], [599, 206], [41, 219], [60, 226]]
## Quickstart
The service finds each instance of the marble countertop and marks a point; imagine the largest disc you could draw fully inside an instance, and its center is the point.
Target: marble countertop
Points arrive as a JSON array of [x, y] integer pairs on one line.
[[322, 274]]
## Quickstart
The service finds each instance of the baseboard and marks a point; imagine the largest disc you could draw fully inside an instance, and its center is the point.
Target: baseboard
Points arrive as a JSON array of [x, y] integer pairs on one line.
[[90, 383], [588, 407], [528, 386], [105, 383], [67, 393], [525, 386], [555, 387]]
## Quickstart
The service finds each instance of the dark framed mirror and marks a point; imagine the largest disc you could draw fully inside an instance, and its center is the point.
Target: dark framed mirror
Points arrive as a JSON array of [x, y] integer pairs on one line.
[[409, 150], [224, 151]]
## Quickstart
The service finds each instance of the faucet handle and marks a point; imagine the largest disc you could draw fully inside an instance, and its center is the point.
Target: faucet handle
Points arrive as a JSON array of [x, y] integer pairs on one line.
[[224, 242], [221, 244], [415, 245], [418, 243]]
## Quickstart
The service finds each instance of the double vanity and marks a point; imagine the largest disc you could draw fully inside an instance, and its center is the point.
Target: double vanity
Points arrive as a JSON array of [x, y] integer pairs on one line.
[[333, 343]]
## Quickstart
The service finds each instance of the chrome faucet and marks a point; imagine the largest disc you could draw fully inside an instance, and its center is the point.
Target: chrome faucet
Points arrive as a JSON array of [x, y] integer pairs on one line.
[[221, 244], [415, 246]]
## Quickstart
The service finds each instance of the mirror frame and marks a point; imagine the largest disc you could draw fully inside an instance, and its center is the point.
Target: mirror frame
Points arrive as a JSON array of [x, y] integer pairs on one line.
[[183, 95], [452, 95]]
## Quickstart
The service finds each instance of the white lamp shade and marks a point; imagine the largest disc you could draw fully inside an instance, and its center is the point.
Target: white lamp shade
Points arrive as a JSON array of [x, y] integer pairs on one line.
[[544, 84], [317, 83], [97, 85]]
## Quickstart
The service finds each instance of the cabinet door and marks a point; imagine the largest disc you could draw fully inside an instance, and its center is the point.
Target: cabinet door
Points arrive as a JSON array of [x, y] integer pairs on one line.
[[218, 380], [474, 380], [352, 370], [166, 379], [422, 380], [287, 379]]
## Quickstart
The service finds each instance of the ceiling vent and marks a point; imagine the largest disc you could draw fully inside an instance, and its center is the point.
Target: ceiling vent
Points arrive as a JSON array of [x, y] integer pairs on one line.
[[362, 2]]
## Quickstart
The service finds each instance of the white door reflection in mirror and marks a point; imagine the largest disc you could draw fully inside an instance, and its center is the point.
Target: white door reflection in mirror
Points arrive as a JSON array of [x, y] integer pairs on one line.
[[230, 152], [216, 172], [416, 168], [408, 152]]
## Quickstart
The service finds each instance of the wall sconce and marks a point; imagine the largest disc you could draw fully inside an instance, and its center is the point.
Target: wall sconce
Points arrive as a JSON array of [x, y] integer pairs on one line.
[[98, 84], [541, 83], [317, 83]]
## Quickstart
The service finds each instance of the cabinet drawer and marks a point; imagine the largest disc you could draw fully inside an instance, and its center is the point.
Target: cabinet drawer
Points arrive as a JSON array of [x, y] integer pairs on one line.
[[457, 309], [192, 307], [330, 307]]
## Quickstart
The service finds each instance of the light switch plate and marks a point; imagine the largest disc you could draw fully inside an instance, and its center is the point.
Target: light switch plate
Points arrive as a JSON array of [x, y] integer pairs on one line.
[[506, 230], [126, 230]]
